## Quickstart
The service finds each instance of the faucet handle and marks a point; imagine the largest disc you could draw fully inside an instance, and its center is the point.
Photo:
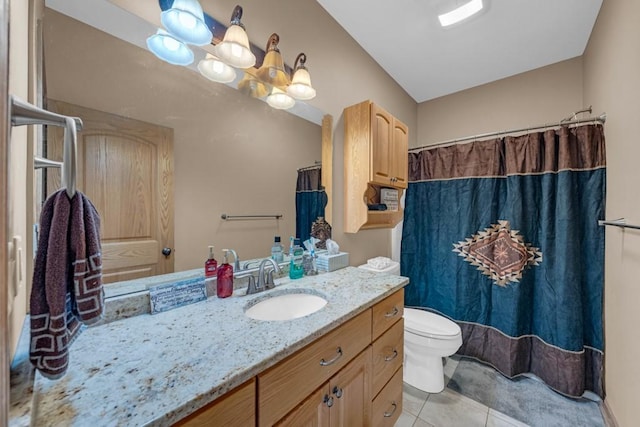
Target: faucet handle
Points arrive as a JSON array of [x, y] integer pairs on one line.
[[269, 284], [252, 289]]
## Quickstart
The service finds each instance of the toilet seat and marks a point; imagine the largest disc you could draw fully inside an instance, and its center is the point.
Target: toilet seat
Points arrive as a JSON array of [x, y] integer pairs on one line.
[[429, 325]]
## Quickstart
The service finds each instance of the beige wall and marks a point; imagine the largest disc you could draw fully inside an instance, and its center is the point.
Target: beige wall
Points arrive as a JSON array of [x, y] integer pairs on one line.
[[612, 84], [544, 95]]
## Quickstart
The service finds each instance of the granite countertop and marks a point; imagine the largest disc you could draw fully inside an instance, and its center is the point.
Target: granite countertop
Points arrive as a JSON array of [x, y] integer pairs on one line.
[[157, 369]]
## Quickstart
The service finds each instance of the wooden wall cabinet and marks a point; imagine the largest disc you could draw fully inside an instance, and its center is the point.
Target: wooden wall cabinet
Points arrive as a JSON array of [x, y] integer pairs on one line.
[[375, 156]]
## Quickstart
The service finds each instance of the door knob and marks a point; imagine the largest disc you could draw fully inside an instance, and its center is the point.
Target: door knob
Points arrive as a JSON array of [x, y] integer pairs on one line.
[[166, 252]]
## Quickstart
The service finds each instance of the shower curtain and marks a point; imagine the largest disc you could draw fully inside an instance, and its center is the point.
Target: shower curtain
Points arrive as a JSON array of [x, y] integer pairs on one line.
[[502, 237], [311, 199]]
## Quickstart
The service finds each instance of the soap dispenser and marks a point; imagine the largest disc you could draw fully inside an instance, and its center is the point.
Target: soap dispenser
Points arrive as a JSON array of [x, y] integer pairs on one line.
[[210, 265], [224, 285]]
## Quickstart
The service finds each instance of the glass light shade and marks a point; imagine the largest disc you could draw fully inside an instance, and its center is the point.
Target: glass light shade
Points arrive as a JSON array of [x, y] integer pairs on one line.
[[251, 86], [234, 48], [272, 70], [185, 20], [168, 48], [280, 100], [300, 87], [214, 69]]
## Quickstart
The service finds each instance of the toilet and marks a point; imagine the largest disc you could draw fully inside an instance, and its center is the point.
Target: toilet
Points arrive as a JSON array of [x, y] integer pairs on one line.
[[428, 337]]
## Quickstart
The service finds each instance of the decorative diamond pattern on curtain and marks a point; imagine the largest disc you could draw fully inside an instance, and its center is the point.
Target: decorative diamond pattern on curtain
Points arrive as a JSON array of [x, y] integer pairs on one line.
[[502, 236], [311, 199]]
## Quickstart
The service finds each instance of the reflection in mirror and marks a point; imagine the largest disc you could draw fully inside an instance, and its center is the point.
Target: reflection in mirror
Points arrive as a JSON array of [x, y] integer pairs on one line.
[[165, 152]]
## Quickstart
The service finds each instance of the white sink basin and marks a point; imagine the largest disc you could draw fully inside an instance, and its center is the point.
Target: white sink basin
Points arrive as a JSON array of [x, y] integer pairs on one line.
[[286, 306]]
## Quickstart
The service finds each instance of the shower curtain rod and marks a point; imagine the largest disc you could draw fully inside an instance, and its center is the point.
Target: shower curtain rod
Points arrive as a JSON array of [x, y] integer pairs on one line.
[[317, 165], [564, 122]]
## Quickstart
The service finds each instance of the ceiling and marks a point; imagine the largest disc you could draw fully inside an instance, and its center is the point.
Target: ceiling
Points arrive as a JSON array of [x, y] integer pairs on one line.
[[507, 37]]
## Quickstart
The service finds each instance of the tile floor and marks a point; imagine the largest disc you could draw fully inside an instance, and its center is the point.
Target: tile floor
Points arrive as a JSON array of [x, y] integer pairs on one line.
[[477, 395]]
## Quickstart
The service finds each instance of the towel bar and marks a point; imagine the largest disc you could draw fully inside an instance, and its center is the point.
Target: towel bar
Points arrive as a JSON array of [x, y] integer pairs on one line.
[[23, 113], [231, 217], [620, 222]]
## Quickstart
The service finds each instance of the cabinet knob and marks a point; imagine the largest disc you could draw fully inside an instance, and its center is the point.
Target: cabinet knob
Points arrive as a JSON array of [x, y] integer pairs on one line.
[[337, 391], [328, 400], [390, 414]]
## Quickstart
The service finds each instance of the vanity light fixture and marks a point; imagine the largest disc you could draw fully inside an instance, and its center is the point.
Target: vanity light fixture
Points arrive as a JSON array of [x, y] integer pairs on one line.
[[250, 85], [461, 13], [234, 47], [168, 48], [300, 87], [214, 69], [185, 20]]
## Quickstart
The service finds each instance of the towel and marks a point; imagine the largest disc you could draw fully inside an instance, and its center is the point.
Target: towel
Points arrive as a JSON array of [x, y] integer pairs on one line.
[[67, 280], [379, 263]]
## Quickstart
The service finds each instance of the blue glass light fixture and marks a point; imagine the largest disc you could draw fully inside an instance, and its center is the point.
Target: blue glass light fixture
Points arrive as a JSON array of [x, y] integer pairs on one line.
[[185, 20], [168, 48]]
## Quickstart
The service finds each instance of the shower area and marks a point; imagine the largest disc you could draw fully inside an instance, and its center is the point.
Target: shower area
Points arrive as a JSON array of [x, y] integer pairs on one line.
[[501, 234]]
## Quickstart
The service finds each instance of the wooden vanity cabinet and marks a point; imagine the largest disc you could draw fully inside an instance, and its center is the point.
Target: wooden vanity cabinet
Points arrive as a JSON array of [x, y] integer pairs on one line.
[[375, 157], [237, 408]]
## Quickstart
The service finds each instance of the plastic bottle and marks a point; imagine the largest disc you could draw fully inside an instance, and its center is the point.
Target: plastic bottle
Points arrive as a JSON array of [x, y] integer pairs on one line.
[[277, 252], [296, 269], [224, 284], [210, 265]]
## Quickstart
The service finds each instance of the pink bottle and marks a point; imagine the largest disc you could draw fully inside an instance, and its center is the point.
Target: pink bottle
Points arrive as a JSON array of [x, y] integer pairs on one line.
[[210, 265], [224, 285]]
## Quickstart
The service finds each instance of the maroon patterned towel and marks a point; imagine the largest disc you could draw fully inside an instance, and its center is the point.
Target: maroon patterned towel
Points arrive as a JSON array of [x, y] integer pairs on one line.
[[67, 280]]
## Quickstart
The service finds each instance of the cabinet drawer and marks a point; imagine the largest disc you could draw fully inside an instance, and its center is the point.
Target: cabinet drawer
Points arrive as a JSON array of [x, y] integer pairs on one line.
[[387, 312], [236, 408], [282, 387], [388, 354], [387, 406]]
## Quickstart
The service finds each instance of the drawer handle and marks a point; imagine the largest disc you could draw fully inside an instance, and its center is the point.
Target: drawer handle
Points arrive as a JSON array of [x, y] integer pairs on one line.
[[328, 400], [392, 312], [390, 414], [332, 361], [337, 391], [390, 358]]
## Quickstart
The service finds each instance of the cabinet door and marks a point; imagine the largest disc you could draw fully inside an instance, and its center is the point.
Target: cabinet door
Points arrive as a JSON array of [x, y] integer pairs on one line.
[[381, 145], [399, 155], [312, 412], [351, 392]]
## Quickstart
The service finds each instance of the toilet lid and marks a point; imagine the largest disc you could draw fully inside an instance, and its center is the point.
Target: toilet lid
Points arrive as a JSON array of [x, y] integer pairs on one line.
[[429, 324]]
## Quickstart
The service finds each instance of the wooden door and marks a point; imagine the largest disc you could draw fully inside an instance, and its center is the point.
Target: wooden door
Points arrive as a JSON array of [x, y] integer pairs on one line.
[[399, 159], [381, 134], [351, 392], [312, 412], [125, 167], [236, 408]]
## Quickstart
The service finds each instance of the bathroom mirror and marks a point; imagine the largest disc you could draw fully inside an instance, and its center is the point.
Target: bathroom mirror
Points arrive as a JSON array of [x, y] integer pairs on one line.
[[231, 154]]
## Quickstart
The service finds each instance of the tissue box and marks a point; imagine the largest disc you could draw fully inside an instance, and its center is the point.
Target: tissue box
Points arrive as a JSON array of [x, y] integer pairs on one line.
[[326, 262]]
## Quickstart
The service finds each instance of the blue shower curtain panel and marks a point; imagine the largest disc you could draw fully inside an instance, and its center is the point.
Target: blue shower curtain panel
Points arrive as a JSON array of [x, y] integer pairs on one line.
[[311, 200], [502, 236]]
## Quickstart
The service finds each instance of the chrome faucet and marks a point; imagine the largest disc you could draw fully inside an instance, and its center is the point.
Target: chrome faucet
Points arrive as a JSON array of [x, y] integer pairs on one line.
[[236, 262], [265, 278]]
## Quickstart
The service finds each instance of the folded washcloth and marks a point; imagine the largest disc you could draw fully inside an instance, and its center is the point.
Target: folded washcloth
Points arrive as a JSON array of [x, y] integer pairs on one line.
[[379, 263], [67, 280]]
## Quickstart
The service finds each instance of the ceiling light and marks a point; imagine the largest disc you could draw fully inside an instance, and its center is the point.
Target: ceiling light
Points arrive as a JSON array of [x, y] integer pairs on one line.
[[234, 48], [272, 69], [278, 99], [185, 20], [214, 69], [168, 48], [300, 87], [461, 13]]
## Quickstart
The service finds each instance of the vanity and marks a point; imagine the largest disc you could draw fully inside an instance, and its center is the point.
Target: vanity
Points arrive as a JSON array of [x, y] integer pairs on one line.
[[210, 364]]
